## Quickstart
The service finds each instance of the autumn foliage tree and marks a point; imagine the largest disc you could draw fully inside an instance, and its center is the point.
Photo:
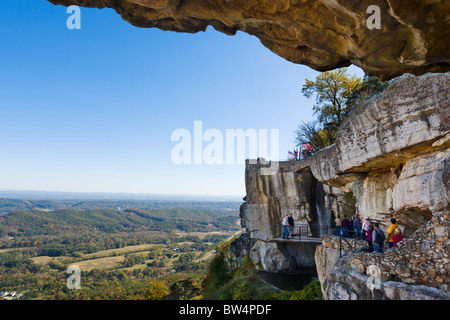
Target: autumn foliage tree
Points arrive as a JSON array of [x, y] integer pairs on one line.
[[337, 93], [157, 291], [331, 90]]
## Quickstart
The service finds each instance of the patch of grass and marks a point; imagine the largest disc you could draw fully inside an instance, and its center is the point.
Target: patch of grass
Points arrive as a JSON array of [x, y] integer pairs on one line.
[[100, 263], [312, 291], [393, 277]]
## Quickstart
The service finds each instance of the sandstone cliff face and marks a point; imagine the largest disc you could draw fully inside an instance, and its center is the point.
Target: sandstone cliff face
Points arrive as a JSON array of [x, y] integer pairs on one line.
[[270, 197], [411, 115], [393, 154], [323, 34]]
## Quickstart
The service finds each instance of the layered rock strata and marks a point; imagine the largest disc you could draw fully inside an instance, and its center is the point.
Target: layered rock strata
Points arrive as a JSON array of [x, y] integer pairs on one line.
[[393, 153]]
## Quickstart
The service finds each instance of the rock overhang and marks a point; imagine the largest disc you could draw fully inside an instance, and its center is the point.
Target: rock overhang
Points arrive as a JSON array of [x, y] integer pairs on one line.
[[322, 34]]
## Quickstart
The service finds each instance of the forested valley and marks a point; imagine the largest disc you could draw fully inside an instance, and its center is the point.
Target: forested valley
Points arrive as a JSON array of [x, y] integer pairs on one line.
[[124, 249]]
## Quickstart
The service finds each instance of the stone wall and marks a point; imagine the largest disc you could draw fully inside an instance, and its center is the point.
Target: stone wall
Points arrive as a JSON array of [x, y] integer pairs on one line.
[[418, 269], [333, 242], [341, 282]]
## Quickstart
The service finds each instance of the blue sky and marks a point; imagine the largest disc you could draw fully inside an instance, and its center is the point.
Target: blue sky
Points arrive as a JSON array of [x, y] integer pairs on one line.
[[93, 110]]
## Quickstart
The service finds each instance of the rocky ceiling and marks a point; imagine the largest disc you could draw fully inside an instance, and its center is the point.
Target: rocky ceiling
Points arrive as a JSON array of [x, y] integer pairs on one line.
[[408, 36]]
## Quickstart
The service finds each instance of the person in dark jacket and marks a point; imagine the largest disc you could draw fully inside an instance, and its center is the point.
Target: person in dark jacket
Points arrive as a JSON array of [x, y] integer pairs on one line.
[[291, 225], [369, 237], [357, 227], [345, 226], [378, 238]]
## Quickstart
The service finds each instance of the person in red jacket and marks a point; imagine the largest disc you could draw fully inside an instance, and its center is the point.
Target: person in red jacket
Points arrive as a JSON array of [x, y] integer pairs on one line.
[[397, 237]]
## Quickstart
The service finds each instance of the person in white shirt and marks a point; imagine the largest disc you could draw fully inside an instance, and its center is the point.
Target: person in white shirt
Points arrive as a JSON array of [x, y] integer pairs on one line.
[[285, 228], [365, 226], [338, 225]]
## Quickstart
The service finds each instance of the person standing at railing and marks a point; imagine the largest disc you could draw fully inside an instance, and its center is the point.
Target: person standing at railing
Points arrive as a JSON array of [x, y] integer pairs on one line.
[[369, 236], [352, 227], [357, 227], [338, 225], [378, 238], [365, 227], [285, 228], [345, 226], [291, 225]]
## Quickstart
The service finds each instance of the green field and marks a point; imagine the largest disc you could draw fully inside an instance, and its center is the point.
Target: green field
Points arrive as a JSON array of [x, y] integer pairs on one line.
[[100, 263], [121, 253], [112, 258]]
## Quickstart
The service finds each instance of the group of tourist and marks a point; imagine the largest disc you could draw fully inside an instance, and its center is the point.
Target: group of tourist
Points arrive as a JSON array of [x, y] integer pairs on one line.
[[362, 230], [369, 231], [350, 227]]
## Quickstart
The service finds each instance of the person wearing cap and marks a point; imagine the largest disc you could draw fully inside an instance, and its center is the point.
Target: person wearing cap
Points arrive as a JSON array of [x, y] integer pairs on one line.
[[365, 226], [291, 225]]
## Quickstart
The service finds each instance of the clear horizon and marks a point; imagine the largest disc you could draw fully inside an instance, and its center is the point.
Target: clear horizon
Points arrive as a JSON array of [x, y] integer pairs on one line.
[[182, 195], [93, 110]]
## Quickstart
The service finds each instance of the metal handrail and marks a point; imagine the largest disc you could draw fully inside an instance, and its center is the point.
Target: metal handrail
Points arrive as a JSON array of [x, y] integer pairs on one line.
[[307, 232], [304, 231], [351, 235]]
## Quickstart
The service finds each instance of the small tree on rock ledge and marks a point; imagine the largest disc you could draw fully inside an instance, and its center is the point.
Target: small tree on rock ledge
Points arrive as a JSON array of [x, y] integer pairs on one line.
[[337, 94]]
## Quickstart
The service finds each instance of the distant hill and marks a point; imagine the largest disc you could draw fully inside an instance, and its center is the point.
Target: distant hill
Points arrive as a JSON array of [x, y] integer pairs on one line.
[[24, 223], [8, 205], [56, 195]]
